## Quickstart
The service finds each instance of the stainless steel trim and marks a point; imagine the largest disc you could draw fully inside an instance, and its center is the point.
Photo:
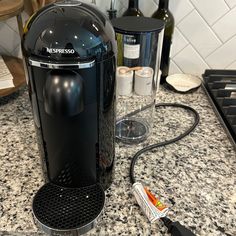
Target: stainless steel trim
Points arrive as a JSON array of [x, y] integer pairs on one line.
[[70, 232], [50, 65], [69, 3], [230, 86]]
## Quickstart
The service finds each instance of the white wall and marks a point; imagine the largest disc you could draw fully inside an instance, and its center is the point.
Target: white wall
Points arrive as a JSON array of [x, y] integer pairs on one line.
[[205, 33]]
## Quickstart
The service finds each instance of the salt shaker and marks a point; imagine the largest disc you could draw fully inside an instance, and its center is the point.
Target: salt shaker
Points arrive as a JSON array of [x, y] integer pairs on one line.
[[124, 78], [143, 81]]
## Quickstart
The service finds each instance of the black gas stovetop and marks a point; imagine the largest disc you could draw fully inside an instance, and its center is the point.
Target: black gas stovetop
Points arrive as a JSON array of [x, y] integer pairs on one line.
[[221, 87]]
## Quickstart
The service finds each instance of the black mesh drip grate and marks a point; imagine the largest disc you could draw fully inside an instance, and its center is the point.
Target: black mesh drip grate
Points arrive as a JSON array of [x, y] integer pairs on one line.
[[68, 208]]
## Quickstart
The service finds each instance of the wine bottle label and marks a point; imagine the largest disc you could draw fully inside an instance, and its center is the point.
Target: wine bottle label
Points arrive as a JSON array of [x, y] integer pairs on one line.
[[132, 51]]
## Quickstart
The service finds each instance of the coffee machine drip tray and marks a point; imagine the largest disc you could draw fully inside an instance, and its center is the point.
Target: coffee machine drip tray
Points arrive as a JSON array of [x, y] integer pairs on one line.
[[68, 211]]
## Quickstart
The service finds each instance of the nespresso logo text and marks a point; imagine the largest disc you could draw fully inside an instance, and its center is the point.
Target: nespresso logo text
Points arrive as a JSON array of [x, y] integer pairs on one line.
[[62, 51]]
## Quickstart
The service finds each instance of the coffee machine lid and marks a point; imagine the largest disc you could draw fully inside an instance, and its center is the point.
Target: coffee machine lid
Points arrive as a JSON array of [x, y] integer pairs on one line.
[[68, 211], [69, 31]]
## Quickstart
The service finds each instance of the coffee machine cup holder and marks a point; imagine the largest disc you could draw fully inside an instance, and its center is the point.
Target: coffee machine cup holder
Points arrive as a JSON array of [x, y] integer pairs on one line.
[[68, 211]]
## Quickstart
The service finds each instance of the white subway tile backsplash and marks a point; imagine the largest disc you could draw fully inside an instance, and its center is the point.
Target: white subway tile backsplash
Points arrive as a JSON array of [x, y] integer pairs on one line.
[[210, 10], [201, 36], [104, 5], [231, 3], [121, 6], [180, 8], [179, 42], [205, 34], [9, 38], [17, 52], [149, 8], [232, 66], [174, 69], [12, 23], [223, 56], [190, 62], [3, 51], [225, 28]]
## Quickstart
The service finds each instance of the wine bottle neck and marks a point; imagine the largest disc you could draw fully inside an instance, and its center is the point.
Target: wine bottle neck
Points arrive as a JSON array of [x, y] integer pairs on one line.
[[164, 4], [133, 4]]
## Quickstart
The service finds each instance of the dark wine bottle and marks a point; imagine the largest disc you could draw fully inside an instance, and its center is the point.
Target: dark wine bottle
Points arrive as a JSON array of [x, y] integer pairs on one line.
[[164, 14], [133, 9]]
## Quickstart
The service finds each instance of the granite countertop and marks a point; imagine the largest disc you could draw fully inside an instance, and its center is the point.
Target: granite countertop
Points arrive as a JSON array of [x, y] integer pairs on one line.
[[196, 176]]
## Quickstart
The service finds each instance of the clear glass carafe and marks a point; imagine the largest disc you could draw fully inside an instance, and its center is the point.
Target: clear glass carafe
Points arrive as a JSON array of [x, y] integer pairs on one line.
[[139, 43]]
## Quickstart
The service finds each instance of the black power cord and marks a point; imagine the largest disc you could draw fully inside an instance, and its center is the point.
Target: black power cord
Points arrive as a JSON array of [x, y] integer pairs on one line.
[[174, 228]]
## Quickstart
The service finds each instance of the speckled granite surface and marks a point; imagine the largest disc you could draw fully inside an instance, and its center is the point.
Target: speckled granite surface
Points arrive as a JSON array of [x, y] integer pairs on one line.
[[197, 173]]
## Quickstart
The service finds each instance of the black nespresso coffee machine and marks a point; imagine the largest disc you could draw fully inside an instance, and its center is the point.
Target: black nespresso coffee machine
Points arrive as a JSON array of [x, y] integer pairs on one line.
[[69, 49]]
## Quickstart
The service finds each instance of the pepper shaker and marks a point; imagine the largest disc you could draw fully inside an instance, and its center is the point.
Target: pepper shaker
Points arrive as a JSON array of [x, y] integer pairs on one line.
[[124, 78], [143, 81]]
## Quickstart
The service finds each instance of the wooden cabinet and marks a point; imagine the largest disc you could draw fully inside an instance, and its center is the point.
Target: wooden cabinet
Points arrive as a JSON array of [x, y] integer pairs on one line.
[[8, 9], [32, 6]]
